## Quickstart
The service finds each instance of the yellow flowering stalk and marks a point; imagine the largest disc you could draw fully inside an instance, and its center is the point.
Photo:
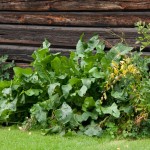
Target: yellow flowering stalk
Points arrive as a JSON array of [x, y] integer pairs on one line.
[[118, 71]]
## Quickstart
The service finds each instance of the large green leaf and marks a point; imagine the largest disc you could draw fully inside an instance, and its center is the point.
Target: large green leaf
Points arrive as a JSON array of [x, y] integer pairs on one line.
[[52, 130], [112, 110], [46, 44], [114, 54], [123, 49], [82, 91], [46, 105], [80, 45], [88, 103], [74, 122], [64, 114], [74, 81], [127, 109], [100, 48], [86, 115], [117, 94], [92, 43], [87, 81], [34, 92], [7, 91], [22, 71], [56, 65], [40, 114], [52, 87], [7, 108], [42, 71], [93, 130], [95, 73], [66, 90], [40, 54]]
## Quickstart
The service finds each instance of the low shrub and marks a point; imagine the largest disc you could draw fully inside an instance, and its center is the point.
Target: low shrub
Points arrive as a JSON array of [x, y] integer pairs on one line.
[[89, 93], [5, 68]]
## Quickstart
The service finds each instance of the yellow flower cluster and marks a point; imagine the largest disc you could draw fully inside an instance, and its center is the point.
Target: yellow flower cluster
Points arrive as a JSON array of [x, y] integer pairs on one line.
[[119, 71], [124, 67]]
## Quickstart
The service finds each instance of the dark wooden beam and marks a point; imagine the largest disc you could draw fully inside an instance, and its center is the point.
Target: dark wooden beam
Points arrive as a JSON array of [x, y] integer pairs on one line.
[[92, 19], [74, 5], [23, 53], [62, 36]]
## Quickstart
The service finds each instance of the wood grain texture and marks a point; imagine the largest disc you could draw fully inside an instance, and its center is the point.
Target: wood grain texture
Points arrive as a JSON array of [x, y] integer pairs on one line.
[[19, 53], [24, 24], [61, 36], [74, 5], [23, 65], [22, 54], [92, 19]]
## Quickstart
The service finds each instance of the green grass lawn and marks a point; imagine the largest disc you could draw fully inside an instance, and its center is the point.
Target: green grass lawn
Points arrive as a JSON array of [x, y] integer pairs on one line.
[[13, 139]]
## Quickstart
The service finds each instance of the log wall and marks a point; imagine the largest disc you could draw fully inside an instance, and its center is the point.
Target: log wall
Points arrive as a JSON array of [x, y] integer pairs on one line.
[[24, 24]]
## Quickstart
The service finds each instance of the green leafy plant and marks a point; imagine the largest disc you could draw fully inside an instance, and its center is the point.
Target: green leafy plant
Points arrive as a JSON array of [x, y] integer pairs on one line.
[[89, 92], [5, 68], [144, 32]]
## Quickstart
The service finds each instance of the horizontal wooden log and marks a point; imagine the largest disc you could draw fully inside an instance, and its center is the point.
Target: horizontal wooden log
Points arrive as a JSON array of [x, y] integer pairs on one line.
[[74, 5], [62, 36], [17, 53], [22, 65], [146, 53], [23, 53], [92, 19]]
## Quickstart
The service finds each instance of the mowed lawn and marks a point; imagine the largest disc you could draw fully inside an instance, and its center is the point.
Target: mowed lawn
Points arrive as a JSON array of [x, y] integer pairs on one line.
[[14, 139]]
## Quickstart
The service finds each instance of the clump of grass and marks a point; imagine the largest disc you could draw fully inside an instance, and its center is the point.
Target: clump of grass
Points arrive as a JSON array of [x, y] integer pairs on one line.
[[12, 138]]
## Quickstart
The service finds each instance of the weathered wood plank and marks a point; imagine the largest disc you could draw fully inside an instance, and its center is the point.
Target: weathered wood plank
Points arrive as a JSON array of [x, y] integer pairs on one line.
[[23, 65], [19, 53], [74, 5], [92, 19], [61, 36], [23, 53]]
